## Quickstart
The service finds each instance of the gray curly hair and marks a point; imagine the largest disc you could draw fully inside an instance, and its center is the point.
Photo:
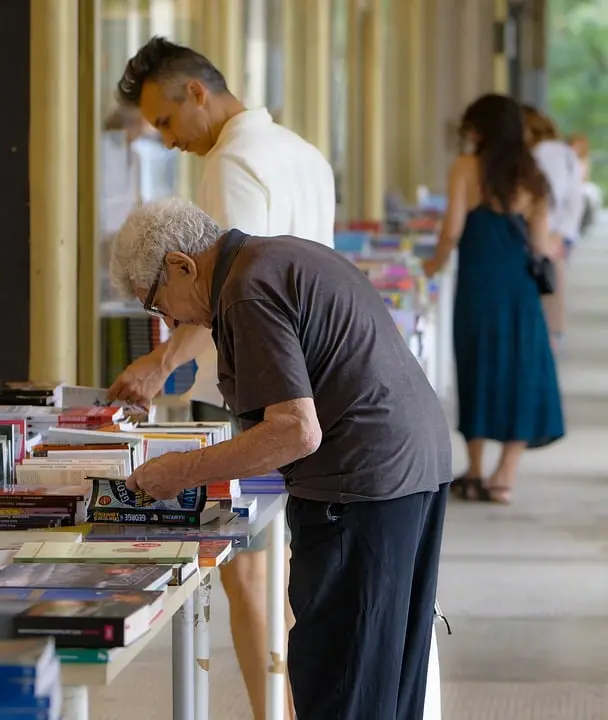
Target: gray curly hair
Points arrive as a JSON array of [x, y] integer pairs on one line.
[[149, 233]]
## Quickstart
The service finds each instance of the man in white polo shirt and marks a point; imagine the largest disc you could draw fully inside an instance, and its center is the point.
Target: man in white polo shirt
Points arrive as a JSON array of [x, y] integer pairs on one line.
[[265, 180]]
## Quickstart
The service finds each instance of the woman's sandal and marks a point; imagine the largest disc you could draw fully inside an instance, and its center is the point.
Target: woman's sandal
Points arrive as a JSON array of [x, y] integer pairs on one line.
[[474, 489]]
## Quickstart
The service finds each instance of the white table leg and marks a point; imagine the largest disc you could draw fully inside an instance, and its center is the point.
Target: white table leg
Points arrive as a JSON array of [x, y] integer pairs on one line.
[[275, 675], [202, 610], [75, 702], [183, 662]]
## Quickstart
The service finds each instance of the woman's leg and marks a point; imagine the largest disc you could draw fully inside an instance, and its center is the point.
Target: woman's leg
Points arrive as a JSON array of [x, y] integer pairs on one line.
[[475, 452], [500, 485]]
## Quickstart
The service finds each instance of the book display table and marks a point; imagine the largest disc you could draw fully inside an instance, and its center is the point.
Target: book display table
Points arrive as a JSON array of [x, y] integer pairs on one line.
[[178, 608]]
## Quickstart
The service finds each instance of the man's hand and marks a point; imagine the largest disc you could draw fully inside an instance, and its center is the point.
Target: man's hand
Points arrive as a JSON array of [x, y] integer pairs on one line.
[[141, 381], [164, 477], [430, 267]]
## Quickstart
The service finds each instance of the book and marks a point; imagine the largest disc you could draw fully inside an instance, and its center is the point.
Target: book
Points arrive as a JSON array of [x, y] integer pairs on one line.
[[85, 575], [111, 501], [112, 622], [212, 553], [142, 553], [22, 659], [89, 656], [231, 530]]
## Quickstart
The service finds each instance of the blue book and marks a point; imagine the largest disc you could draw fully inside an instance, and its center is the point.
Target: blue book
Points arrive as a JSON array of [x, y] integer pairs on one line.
[[23, 659]]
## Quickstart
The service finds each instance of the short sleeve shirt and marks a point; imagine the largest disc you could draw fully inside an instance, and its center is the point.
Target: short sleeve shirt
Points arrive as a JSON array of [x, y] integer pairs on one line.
[[297, 320]]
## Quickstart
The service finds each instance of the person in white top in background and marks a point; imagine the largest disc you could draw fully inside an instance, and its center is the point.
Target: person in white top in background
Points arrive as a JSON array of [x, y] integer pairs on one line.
[[265, 180], [565, 175]]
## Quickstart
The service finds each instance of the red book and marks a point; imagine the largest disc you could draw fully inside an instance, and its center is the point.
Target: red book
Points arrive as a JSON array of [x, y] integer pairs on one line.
[[212, 553]]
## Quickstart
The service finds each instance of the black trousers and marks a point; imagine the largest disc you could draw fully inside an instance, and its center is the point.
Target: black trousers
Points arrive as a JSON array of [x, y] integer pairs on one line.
[[362, 588]]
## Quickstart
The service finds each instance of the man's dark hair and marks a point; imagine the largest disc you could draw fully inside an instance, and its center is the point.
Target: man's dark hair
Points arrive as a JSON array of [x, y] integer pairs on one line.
[[161, 60]]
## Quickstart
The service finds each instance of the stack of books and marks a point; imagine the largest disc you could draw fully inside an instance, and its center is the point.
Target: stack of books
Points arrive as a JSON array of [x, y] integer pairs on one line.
[[91, 598], [271, 484], [30, 680], [25, 507], [181, 437]]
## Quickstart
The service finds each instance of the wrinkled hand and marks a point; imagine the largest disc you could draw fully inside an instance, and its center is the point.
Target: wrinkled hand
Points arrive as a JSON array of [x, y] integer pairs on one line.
[[164, 477], [141, 381], [430, 267]]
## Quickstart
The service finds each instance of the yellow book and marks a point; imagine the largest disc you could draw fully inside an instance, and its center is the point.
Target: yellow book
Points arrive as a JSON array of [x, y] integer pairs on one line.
[[124, 553]]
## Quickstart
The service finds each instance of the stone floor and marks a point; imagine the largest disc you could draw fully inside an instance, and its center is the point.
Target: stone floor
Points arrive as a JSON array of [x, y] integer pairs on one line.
[[525, 587]]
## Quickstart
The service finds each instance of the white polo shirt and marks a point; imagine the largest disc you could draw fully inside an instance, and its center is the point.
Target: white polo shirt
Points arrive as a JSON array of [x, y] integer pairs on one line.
[[564, 173], [265, 180]]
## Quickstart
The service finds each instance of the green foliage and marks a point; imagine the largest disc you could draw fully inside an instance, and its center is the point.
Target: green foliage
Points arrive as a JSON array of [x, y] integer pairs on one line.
[[578, 75]]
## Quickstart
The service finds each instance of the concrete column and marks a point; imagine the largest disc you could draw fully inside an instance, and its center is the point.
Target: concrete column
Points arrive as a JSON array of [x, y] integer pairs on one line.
[[415, 41], [255, 54], [162, 18], [372, 77], [232, 37], [501, 69], [294, 75], [318, 74], [89, 133], [53, 190]]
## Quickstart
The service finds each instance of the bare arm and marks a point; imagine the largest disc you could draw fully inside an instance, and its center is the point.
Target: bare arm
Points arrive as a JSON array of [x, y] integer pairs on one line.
[[290, 431], [542, 240], [143, 379], [455, 218]]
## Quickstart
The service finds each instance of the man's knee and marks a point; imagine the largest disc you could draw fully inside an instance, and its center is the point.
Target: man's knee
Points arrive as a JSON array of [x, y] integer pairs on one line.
[[245, 576]]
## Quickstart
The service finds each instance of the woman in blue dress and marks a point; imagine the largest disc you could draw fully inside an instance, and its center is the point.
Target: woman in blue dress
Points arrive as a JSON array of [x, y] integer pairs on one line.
[[506, 377]]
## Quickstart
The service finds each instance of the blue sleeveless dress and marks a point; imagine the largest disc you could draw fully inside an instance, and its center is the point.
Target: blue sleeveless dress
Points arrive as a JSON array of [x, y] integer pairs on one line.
[[506, 376]]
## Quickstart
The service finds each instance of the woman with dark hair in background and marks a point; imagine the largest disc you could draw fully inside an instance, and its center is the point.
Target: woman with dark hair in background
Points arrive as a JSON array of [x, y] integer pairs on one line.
[[564, 173], [497, 212]]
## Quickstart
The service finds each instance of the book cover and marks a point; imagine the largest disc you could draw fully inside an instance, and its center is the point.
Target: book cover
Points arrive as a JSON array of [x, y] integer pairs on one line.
[[145, 553], [85, 575]]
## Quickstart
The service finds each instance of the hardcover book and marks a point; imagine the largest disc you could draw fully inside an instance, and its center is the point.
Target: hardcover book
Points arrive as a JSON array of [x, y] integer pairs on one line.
[[85, 575], [145, 553]]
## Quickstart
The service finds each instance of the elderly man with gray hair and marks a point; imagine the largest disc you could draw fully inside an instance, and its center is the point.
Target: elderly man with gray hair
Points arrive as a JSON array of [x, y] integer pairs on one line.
[[311, 363]]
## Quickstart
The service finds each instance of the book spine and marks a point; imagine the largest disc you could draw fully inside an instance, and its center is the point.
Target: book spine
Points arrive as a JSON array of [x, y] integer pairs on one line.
[[141, 516], [73, 632]]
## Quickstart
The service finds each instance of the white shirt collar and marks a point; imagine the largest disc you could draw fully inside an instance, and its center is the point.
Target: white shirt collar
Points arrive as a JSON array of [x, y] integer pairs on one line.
[[246, 120]]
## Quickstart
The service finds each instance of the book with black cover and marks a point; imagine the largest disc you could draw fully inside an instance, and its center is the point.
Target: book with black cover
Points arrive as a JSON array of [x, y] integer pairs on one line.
[[85, 575], [115, 622]]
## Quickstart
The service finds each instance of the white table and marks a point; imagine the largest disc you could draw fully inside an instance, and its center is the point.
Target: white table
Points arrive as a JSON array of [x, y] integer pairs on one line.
[[270, 515], [178, 608]]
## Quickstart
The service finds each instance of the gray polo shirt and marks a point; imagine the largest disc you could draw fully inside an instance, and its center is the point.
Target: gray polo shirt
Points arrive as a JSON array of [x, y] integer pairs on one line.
[[297, 320]]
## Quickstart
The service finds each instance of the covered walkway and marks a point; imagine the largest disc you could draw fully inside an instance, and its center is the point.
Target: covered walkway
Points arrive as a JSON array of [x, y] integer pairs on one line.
[[525, 587]]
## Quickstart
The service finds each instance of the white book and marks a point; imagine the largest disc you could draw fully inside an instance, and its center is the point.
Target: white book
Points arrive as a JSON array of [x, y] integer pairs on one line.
[[73, 436], [155, 447], [61, 475]]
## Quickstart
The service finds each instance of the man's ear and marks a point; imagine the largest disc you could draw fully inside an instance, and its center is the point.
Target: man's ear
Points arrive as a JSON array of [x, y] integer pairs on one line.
[[197, 91], [179, 263]]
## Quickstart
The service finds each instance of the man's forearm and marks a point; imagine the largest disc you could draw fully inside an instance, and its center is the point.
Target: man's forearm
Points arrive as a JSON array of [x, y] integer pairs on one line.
[[258, 451], [185, 344]]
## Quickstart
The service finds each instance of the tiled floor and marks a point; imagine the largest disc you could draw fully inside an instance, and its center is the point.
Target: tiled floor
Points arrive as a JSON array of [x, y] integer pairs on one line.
[[525, 587]]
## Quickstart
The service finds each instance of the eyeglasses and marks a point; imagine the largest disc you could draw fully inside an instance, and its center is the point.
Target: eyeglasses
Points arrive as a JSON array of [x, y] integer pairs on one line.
[[149, 306]]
